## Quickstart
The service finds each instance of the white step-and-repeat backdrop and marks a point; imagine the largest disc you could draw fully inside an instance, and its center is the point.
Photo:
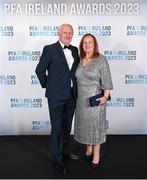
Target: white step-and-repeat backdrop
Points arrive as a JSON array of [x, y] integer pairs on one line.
[[27, 25]]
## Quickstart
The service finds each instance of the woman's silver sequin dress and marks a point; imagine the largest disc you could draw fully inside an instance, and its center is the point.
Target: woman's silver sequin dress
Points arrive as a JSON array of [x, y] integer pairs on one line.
[[90, 122]]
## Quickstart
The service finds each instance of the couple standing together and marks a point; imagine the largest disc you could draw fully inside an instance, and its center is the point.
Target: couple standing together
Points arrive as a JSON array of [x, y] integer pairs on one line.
[[70, 79]]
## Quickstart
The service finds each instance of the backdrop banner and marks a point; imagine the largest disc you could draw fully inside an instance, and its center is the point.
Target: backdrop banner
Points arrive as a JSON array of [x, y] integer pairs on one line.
[[26, 26]]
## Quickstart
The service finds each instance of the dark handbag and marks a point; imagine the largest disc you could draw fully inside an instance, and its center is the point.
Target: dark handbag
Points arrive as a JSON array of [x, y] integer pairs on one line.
[[93, 100]]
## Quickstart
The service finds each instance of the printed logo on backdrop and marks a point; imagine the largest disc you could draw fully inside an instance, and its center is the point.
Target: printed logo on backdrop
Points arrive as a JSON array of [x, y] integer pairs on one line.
[[93, 17], [24, 55], [26, 103], [95, 30], [53, 30], [7, 79], [43, 30], [107, 124], [40, 125], [136, 79], [6, 31], [121, 55], [34, 80], [121, 102], [136, 30], [78, 8]]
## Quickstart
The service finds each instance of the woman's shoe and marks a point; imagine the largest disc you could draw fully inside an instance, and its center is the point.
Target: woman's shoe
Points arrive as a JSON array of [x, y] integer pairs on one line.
[[95, 165], [88, 157]]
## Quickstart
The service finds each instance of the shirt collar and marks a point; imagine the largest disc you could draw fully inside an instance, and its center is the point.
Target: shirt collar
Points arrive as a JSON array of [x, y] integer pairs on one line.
[[62, 45]]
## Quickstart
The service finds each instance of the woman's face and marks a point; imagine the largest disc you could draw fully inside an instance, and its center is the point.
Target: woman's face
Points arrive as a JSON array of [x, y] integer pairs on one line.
[[88, 44]]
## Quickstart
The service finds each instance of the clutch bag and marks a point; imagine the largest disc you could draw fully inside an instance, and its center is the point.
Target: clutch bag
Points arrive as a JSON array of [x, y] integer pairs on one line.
[[93, 99]]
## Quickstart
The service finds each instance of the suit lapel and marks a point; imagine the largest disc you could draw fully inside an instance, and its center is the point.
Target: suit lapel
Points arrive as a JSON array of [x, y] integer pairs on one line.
[[74, 57], [60, 50], [63, 58]]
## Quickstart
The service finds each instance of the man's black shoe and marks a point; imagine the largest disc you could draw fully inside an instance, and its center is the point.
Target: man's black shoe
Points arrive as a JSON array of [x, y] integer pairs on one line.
[[70, 156], [60, 167]]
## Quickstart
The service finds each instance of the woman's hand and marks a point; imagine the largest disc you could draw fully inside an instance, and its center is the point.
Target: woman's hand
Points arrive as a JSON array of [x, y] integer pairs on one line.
[[102, 100]]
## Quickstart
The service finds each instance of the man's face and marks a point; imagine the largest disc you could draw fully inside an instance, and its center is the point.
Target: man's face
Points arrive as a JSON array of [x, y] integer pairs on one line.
[[66, 34]]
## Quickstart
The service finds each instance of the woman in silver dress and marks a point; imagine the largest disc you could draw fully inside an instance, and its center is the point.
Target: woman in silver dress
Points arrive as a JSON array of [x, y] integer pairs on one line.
[[93, 75]]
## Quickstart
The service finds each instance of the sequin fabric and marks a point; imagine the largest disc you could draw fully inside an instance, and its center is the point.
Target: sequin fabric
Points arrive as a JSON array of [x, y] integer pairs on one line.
[[90, 122]]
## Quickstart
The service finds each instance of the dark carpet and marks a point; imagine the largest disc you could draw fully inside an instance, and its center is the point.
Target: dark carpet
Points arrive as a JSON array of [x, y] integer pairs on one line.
[[28, 157]]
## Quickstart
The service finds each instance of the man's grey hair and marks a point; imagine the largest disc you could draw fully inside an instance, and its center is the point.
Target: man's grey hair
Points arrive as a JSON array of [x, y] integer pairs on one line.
[[62, 25]]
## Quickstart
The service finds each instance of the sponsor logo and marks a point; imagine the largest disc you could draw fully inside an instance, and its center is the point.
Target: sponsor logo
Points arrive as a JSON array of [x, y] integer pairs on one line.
[[121, 102], [136, 79], [24, 55], [26, 103], [136, 30], [95, 30], [7, 79], [119, 55], [6, 31], [39, 125]]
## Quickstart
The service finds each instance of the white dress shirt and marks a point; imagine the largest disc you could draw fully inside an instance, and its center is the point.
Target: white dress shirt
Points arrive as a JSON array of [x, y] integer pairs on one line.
[[69, 58], [68, 55]]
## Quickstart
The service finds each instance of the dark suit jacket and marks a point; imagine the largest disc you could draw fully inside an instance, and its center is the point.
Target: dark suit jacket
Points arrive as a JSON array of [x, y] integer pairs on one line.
[[57, 80]]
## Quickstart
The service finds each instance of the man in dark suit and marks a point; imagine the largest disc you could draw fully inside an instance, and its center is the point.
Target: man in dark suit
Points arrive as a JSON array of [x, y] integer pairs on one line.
[[56, 72]]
